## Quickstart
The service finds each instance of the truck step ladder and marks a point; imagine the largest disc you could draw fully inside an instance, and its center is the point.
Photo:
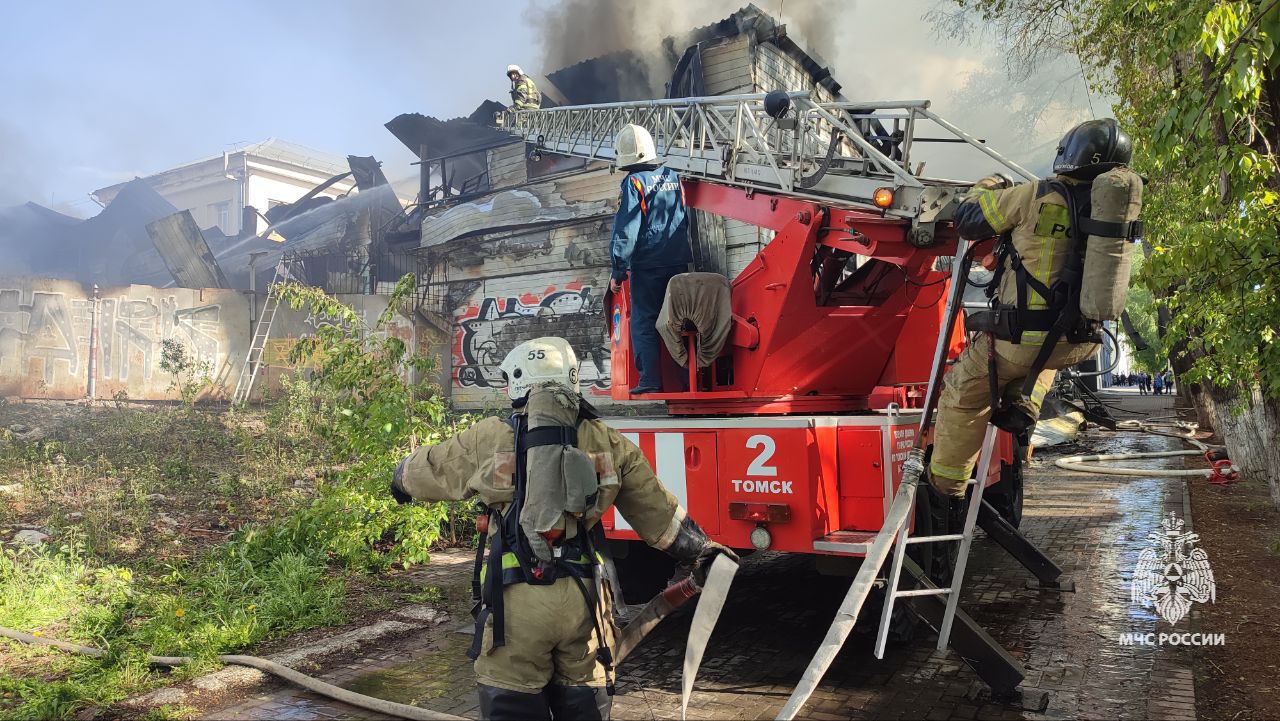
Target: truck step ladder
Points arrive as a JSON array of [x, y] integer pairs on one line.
[[965, 538], [261, 331]]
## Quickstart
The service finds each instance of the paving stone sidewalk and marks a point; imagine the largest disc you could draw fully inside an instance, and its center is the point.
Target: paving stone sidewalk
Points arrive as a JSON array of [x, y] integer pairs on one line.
[[1094, 526]]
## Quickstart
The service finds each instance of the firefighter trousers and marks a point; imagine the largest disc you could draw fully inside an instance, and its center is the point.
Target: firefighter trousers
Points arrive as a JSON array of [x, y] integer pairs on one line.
[[965, 406], [550, 639], [648, 290]]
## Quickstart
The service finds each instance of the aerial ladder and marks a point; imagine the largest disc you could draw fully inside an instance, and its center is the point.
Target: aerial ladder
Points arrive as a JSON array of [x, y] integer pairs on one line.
[[832, 316]]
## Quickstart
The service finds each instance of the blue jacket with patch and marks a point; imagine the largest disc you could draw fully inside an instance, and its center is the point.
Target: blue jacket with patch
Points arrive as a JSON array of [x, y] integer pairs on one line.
[[651, 229]]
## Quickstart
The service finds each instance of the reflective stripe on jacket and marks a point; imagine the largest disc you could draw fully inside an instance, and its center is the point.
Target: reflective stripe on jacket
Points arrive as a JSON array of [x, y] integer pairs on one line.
[[525, 95], [651, 229]]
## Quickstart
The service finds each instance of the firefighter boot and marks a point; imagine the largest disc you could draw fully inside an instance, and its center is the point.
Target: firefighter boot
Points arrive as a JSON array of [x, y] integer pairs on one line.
[[947, 511], [946, 516], [500, 704], [579, 702]]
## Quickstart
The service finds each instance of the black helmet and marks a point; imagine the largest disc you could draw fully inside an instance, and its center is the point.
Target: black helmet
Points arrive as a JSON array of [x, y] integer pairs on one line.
[[1092, 148]]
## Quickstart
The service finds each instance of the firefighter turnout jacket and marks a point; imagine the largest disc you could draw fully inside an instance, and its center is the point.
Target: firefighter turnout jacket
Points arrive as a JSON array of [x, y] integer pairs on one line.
[[524, 94], [651, 228], [1036, 223], [551, 637]]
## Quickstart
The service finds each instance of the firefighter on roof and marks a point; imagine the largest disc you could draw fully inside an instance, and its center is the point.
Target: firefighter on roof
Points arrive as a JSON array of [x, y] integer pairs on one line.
[[545, 630], [650, 245], [1050, 294], [524, 94]]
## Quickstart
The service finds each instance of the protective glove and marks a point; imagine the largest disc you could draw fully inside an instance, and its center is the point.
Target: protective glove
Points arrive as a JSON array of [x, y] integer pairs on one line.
[[702, 565], [995, 182], [398, 492]]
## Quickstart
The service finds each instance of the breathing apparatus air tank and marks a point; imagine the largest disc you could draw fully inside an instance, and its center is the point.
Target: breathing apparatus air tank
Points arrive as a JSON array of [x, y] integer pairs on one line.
[[1116, 200]]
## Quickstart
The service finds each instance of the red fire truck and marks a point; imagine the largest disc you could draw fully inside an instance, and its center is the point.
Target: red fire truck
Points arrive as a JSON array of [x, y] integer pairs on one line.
[[793, 438]]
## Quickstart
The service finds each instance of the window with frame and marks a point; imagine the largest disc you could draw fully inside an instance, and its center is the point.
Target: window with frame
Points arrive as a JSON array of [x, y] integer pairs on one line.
[[221, 213]]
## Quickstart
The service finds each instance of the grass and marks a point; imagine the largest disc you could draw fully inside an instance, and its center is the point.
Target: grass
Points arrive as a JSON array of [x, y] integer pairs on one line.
[[182, 533], [222, 604]]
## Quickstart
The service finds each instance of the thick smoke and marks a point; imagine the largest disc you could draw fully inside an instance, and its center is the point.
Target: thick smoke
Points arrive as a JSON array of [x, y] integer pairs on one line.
[[877, 51], [574, 30], [21, 172], [571, 31]]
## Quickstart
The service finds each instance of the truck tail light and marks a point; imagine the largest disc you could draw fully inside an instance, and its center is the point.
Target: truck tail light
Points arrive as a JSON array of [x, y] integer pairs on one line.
[[760, 512]]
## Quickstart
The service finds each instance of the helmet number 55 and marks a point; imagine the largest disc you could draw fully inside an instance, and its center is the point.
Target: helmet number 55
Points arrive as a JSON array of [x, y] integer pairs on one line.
[[760, 467], [537, 354]]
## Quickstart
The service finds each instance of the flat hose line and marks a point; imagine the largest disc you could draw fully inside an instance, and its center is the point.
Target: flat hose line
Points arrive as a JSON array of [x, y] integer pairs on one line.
[[399, 710], [1185, 431]]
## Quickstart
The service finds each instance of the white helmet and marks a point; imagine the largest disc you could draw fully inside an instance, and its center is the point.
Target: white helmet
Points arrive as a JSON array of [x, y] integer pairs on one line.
[[514, 69], [541, 360], [634, 145]]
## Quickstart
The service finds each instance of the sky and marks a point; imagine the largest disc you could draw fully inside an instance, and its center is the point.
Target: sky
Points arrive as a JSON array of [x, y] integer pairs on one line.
[[97, 93]]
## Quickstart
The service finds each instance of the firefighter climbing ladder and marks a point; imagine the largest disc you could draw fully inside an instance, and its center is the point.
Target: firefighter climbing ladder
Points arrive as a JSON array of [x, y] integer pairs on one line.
[[261, 331], [830, 152]]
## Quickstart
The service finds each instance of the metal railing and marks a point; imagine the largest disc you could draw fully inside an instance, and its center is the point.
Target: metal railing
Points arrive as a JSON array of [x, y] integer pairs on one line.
[[835, 151]]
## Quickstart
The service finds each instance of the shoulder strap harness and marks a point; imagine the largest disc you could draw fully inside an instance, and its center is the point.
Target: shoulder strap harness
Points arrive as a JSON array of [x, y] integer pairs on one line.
[[510, 560], [1061, 318]]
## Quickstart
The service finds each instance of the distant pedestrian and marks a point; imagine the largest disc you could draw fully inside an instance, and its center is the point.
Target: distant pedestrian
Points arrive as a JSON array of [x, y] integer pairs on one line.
[[1158, 384], [1142, 383], [1168, 382]]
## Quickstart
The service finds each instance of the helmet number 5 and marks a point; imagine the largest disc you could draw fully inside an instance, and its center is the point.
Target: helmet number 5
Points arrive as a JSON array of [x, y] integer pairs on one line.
[[760, 467]]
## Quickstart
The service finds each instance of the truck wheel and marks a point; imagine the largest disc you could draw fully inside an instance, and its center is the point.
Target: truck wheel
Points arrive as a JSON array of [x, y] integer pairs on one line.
[[642, 571], [1006, 497]]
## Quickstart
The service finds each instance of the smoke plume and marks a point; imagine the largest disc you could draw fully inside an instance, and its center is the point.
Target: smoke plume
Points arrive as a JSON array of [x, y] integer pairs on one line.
[[880, 51]]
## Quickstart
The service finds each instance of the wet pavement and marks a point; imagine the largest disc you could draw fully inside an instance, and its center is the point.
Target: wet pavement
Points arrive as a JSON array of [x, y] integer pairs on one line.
[[1093, 526]]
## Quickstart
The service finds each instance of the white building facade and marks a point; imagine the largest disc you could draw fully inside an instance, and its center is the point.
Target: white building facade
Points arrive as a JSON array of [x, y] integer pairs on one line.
[[263, 175]]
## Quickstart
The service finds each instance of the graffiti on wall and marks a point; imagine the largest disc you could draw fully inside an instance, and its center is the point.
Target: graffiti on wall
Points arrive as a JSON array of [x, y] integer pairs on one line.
[[130, 330], [45, 333], [486, 332]]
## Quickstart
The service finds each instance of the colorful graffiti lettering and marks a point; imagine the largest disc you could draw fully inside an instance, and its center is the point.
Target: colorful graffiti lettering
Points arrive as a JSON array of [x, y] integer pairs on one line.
[[488, 331]]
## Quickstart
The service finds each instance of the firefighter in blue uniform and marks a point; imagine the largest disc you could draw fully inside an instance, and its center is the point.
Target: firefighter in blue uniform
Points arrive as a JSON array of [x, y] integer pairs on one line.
[[650, 245]]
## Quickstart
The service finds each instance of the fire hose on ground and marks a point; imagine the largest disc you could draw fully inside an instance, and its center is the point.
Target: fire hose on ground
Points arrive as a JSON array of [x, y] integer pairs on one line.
[[1222, 472], [399, 710]]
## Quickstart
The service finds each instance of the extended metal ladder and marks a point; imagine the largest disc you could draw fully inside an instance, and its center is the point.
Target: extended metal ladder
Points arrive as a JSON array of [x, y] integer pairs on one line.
[[831, 152], [261, 331]]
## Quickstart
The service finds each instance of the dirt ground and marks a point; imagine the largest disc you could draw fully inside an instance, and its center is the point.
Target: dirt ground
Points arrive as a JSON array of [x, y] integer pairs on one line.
[[1240, 530]]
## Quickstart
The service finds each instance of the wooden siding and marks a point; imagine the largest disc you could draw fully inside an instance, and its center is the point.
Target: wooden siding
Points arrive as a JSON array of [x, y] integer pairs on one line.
[[727, 68], [507, 166]]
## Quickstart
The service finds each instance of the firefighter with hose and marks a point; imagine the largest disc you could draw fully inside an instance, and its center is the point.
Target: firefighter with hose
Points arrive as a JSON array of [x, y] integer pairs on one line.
[[1061, 265], [545, 631]]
